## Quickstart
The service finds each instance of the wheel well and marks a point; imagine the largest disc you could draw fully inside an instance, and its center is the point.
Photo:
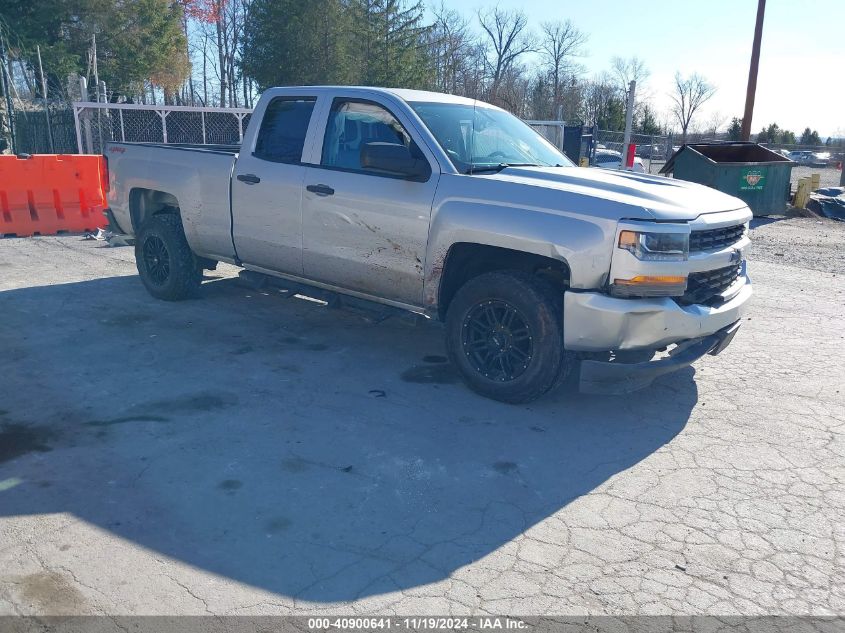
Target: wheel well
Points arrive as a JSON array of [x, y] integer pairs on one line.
[[144, 203], [465, 261]]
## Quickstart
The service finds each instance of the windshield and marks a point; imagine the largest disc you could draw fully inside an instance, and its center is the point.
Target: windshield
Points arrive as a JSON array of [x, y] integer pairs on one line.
[[482, 138]]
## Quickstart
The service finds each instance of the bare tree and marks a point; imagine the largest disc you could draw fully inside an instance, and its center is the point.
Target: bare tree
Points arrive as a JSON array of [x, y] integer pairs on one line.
[[716, 120], [451, 46], [690, 94], [598, 95], [509, 40], [514, 90], [628, 69], [560, 41]]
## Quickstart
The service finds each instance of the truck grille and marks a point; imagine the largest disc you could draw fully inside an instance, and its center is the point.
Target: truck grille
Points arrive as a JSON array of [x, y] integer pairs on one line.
[[712, 239], [704, 286]]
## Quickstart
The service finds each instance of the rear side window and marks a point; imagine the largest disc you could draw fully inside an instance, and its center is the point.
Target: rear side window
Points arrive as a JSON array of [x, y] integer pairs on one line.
[[282, 133]]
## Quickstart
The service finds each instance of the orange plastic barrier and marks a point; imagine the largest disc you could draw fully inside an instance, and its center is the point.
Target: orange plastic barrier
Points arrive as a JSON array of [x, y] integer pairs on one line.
[[47, 194]]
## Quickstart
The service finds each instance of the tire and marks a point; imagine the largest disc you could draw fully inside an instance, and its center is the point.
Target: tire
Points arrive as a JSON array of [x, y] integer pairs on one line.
[[504, 334], [168, 268]]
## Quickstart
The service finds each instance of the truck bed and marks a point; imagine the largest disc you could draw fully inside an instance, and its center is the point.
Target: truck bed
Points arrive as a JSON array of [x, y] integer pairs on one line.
[[195, 177], [200, 147]]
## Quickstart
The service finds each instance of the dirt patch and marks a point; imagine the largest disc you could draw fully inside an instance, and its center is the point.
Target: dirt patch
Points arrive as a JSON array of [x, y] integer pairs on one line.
[[229, 486], [505, 468], [19, 439], [51, 594]]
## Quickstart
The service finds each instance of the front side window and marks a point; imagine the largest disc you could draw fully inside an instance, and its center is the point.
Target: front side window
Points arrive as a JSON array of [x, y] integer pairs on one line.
[[352, 124], [477, 138], [281, 137]]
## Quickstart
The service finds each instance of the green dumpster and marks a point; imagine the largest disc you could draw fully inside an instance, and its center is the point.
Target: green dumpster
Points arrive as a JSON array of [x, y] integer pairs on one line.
[[751, 172]]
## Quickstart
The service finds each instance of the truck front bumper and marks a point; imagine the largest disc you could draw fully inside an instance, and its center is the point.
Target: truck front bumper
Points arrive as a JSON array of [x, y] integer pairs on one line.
[[595, 322], [617, 378]]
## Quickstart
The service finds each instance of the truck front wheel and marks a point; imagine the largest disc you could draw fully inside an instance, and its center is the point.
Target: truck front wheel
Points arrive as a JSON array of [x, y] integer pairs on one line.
[[504, 333], [166, 265]]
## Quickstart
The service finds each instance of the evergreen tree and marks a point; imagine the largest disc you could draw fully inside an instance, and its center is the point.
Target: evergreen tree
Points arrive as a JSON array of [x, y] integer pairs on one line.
[[136, 40], [288, 42], [390, 41], [735, 129], [810, 137], [772, 134], [613, 115], [647, 123]]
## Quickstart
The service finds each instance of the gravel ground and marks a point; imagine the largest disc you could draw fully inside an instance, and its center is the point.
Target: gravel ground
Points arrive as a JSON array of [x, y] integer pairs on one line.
[[813, 243], [248, 454], [829, 176]]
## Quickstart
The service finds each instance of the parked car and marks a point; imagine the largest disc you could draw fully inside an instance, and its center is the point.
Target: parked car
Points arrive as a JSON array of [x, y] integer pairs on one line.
[[821, 159], [809, 158], [652, 152], [802, 157], [611, 159], [454, 209]]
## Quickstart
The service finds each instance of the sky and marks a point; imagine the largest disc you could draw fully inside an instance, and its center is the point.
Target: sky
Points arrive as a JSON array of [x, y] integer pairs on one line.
[[801, 82]]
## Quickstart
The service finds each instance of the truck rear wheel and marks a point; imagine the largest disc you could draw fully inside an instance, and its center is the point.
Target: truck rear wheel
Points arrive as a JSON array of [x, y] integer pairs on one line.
[[165, 263], [504, 333]]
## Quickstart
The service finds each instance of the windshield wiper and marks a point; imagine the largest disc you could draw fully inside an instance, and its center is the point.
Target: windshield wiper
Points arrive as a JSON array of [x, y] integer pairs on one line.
[[475, 169]]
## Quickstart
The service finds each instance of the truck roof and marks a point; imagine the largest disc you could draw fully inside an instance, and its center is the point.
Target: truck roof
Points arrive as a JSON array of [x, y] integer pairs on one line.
[[402, 93]]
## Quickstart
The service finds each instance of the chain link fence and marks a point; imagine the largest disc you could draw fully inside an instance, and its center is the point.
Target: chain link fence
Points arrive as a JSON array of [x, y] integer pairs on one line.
[[98, 123], [652, 149], [45, 130]]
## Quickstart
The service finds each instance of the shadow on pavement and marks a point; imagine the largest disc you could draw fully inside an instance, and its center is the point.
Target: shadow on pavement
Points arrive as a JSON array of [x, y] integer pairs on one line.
[[302, 450]]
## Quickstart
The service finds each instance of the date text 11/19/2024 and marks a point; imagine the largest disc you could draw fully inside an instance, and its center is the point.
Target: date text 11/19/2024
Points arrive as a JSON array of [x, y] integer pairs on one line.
[[427, 623]]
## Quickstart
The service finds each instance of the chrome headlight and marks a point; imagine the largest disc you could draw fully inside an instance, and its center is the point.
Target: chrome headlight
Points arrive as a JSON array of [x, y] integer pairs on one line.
[[660, 247]]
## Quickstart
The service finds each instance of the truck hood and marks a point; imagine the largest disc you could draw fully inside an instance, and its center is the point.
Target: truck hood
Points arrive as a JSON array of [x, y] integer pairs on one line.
[[643, 196]]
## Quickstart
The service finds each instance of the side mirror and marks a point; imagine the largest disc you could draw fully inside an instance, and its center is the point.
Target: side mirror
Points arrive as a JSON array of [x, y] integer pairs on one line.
[[394, 159]]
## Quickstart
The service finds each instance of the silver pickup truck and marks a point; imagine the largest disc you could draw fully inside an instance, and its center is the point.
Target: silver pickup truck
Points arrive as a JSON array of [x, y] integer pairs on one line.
[[457, 210]]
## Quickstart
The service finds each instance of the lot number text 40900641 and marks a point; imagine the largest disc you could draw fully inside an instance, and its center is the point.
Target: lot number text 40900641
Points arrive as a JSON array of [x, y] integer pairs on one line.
[[427, 623]]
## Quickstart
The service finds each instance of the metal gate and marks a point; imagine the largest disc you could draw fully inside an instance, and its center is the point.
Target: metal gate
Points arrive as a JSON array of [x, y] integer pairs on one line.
[[99, 123]]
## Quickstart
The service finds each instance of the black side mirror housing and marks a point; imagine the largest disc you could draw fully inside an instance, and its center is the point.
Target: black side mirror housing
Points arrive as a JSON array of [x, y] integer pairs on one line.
[[394, 159]]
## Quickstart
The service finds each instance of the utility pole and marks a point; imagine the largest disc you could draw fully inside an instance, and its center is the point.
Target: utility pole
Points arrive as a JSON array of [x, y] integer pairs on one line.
[[629, 123], [6, 81], [752, 72]]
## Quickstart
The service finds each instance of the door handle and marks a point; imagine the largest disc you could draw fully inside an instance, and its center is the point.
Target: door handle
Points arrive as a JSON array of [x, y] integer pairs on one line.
[[321, 190], [250, 179]]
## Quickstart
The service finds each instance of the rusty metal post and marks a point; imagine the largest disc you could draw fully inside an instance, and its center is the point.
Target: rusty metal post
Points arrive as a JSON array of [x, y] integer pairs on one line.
[[752, 72]]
